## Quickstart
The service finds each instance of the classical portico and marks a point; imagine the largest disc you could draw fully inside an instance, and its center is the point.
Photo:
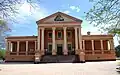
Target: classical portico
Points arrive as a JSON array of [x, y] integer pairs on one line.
[[78, 38]]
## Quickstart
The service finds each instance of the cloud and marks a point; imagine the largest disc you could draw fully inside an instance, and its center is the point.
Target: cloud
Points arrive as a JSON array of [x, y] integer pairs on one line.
[[89, 27], [67, 11], [28, 13], [72, 7], [76, 8], [26, 20]]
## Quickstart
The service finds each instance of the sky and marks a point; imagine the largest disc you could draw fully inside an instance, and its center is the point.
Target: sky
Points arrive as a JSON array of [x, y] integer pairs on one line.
[[26, 25]]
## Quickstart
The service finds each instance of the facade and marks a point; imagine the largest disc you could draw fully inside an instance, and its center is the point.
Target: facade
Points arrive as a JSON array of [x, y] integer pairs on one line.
[[60, 35]]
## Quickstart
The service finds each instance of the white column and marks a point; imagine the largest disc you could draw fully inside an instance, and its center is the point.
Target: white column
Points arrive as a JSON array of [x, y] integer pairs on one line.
[[112, 44], [101, 42], [26, 47], [53, 41], [80, 39], [83, 44], [65, 41], [42, 41], [109, 44], [76, 40], [11, 47], [38, 47], [18, 47], [92, 46]]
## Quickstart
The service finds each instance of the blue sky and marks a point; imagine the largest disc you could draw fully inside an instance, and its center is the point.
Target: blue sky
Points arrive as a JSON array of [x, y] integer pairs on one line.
[[28, 16]]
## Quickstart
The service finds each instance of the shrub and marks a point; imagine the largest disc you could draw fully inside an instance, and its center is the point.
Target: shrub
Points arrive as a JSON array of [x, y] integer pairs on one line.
[[2, 53]]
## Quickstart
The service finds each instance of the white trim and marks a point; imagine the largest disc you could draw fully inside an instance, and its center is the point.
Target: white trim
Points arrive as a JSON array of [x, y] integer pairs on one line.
[[62, 25]]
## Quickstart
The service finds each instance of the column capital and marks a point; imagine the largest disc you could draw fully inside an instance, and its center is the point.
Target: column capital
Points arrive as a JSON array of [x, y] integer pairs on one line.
[[42, 28], [64, 28], [18, 41], [76, 27], [39, 28], [53, 28], [26, 41]]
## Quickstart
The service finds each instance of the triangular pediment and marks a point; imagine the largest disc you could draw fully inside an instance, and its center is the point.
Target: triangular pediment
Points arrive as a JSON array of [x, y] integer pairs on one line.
[[59, 17]]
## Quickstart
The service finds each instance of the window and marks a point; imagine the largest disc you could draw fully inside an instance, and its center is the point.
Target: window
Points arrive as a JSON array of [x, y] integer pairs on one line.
[[69, 47], [49, 34], [59, 18], [59, 34], [69, 34], [49, 47]]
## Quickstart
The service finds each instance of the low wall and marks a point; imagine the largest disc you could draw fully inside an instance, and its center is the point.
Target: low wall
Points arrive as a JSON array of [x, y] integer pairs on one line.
[[19, 58], [100, 57]]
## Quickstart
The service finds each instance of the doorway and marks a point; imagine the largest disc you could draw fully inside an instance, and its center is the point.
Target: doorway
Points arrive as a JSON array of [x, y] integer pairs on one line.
[[59, 49]]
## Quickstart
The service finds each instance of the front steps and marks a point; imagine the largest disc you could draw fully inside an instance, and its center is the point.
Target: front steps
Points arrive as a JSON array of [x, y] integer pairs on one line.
[[59, 59]]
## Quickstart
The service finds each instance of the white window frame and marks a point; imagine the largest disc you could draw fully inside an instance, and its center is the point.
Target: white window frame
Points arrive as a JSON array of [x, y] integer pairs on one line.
[[70, 34], [57, 34], [48, 35]]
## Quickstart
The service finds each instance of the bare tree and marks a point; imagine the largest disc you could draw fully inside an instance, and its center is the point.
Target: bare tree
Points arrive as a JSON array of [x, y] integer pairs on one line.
[[105, 14], [8, 11]]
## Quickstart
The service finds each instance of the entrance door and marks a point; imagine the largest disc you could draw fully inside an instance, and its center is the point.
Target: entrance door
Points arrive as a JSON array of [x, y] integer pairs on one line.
[[59, 49]]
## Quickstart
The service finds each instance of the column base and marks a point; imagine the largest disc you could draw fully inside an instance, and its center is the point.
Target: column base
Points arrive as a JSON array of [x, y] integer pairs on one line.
[[76, 51], [54, 52], [17, 53], [82, 56], [37, 57], [65, 52], [82, 61], [42, 52]]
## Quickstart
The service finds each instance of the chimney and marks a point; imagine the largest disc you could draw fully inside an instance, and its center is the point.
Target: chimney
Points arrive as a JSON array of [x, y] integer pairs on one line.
[[88, 33]]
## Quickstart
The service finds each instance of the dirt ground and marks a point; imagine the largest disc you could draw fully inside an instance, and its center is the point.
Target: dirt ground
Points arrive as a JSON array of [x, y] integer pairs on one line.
[[88, 68]]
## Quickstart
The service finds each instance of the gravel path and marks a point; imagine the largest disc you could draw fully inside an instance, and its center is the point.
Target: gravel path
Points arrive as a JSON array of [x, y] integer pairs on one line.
[[89, 68]]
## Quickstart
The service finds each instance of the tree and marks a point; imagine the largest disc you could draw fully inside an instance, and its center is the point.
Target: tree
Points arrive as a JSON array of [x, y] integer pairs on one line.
[[105, 15], [8, 11], [117, 51], [3, 29]]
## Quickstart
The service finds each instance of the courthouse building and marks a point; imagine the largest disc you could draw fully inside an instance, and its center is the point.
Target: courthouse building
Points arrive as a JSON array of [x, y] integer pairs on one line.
[[60, 35]]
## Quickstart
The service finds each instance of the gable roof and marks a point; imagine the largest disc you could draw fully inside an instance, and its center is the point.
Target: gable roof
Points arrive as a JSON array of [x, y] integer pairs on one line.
[[73, 18]]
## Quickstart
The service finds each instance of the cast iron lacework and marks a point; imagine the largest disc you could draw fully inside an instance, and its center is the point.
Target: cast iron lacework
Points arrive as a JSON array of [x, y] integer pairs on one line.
[[59, 18]]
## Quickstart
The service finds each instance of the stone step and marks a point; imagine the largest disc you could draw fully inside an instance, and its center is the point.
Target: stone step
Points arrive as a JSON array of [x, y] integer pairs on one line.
[[59, 59]]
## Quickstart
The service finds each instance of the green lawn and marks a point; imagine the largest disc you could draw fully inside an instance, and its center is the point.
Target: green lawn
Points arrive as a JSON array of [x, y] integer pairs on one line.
[[2, 53]]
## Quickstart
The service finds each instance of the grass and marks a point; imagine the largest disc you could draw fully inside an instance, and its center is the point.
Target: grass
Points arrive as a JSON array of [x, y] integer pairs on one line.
[[2, 53]]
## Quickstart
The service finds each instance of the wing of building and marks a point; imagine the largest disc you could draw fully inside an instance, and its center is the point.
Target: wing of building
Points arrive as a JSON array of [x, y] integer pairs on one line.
[[59, 38]]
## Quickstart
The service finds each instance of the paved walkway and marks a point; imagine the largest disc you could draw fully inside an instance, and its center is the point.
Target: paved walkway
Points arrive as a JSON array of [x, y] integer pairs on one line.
[[89, 68]]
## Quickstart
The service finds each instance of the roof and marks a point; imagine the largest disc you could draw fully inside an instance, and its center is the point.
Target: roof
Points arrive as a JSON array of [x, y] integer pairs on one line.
[[71, 17], [17, 37]]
